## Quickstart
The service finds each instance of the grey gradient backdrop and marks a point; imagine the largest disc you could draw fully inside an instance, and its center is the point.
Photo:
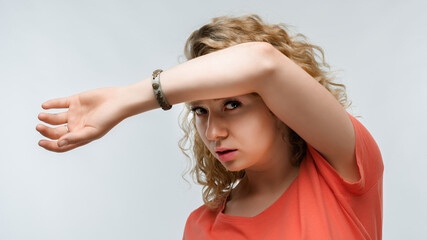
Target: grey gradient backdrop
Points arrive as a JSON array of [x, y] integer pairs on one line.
[[128, 185]]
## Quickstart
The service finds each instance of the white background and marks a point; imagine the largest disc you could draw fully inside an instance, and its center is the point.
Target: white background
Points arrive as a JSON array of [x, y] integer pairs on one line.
[[128, 185]]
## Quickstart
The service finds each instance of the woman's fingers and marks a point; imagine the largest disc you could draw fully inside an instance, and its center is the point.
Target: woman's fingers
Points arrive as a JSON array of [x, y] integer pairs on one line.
[[57, 103], [54, 118], [52, 133]]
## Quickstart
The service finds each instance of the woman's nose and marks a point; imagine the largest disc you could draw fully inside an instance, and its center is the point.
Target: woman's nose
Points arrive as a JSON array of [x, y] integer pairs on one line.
[[216, 128]]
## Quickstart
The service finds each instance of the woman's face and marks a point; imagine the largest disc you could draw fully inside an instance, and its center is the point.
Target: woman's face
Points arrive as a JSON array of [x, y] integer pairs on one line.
[[241, 132]]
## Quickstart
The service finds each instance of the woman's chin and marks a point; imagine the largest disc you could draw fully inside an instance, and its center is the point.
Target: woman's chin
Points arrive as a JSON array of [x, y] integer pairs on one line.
[[232, 167]]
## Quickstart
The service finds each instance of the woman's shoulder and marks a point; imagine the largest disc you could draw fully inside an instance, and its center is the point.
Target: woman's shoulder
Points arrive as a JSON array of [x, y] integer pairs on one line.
[[204, 212]]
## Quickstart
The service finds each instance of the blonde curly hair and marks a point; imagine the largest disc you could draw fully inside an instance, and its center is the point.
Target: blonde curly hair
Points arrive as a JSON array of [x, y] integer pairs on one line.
[[223, 32]]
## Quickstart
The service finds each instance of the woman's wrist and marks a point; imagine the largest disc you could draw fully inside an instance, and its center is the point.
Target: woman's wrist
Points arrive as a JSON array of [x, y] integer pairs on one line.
[[137, 98]]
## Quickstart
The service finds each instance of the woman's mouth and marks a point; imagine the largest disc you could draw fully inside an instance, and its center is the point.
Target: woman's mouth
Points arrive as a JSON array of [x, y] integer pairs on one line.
[[226, 155]]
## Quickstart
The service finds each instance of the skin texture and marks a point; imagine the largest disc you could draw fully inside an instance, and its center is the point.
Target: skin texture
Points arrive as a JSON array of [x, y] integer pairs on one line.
[[287, 90]]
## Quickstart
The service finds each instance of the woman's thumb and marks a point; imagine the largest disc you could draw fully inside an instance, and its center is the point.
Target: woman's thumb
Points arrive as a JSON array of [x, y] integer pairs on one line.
[[84, 135]]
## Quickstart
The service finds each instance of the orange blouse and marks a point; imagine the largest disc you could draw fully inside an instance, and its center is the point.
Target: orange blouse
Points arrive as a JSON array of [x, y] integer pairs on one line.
[[319, 204]]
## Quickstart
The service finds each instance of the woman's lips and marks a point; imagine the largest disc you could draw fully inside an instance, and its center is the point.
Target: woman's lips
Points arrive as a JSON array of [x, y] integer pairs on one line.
[[227, 155]]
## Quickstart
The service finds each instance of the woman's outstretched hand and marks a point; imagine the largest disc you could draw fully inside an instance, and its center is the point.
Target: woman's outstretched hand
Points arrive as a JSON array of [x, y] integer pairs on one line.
[[90, 116]]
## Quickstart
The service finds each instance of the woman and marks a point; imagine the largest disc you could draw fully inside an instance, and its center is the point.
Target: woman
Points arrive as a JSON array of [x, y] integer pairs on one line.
[[277, 153]]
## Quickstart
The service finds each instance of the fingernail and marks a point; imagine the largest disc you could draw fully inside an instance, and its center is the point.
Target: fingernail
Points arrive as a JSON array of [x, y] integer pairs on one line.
[[63, 143]]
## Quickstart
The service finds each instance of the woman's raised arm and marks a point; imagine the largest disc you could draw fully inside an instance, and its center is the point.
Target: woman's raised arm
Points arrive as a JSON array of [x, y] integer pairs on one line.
[[291, 94], [229, 72]]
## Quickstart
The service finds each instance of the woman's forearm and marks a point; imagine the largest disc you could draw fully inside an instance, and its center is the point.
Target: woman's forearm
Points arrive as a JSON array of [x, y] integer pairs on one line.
[[229, 72]]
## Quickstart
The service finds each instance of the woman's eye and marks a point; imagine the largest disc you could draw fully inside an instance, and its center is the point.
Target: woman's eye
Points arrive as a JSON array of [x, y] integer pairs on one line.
[[198, 110], [232, 104]]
